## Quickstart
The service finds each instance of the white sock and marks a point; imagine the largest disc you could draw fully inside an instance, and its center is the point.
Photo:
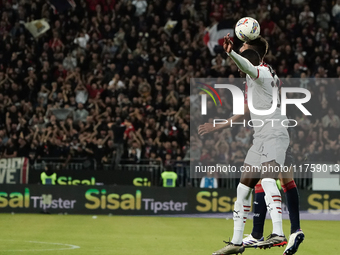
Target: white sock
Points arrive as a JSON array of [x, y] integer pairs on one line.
[[273, 202], [241, 210]]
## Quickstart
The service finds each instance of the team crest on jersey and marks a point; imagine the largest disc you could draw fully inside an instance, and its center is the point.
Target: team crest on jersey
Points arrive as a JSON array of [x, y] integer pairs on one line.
[[243, 36], [254, 28]]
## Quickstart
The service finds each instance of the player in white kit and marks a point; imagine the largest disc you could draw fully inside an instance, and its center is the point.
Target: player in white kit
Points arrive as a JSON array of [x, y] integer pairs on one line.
[[271, 140], [287, 181]]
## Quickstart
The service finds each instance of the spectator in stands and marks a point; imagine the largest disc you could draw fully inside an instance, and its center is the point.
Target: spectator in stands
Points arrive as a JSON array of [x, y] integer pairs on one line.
[[81, 113], [23, 150], [331, 120], [305, 15], [323, 18], [82, 40], [336, 11], [10, 150], [209, 181], [141, 6], [119, 136], [169, 178]]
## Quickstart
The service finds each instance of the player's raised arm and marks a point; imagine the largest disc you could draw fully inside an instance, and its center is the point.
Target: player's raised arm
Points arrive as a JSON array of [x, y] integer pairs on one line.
[[242, 63]]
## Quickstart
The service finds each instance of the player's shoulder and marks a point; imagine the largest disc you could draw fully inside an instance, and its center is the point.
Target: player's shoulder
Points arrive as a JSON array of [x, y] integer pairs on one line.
[[265, 71], [264, 66]]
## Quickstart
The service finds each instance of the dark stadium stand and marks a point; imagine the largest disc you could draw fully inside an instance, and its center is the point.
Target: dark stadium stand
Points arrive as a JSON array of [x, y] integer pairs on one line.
[[109, 83]]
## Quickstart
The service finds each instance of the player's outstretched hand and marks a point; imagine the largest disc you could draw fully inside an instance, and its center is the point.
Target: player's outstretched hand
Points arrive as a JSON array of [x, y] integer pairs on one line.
[[205, 128], [227, 44]]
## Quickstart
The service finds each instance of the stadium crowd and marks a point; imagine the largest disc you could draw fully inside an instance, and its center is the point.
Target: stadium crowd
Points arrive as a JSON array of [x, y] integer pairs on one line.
[[109, 81]]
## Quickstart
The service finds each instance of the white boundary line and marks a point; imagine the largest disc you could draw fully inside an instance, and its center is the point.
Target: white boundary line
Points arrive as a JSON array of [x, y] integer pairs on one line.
[[70, 246]]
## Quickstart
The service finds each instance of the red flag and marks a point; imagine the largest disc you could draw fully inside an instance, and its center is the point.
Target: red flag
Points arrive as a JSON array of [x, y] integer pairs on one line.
[[214, 36]]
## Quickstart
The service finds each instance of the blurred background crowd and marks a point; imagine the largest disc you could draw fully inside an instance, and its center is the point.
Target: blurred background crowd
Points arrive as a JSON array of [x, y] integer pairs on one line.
[[109, 82]]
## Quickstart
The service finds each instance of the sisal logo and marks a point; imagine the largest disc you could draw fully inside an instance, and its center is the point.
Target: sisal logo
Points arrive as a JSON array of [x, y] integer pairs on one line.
[[103, 199], [24, 199], [214, 202], [238, 100]]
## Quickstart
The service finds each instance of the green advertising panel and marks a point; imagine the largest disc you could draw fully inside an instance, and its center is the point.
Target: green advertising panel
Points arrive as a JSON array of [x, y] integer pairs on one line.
[[129, 200]]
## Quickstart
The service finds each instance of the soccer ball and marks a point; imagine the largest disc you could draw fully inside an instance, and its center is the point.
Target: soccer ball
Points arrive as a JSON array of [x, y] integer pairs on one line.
[[247, 29]]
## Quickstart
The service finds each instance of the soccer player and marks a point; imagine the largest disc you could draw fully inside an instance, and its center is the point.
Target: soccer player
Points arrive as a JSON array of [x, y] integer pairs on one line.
[[270, 143], [288, 184]]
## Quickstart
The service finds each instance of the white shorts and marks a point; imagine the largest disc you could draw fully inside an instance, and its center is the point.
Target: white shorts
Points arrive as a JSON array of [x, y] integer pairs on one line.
[[268, 150]]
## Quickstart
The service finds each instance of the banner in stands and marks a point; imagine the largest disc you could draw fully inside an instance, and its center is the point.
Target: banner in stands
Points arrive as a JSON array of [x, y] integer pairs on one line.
[[14, 170], [90, 177], [129, 200]]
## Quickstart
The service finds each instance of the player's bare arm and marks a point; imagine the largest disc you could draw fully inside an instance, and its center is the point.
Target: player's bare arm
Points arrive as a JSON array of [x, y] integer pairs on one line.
[[242, 63], [209, 127]]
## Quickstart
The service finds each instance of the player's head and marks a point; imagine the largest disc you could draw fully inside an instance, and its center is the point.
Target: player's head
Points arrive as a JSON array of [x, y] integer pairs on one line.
[[253, 57], [259, 44]]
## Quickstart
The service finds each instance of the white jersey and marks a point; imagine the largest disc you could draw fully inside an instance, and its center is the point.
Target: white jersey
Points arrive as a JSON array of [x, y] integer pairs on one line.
[[262, 99], [271, 138]]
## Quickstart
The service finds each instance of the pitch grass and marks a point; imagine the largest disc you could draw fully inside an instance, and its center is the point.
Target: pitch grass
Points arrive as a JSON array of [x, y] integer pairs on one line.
[[126, 235]]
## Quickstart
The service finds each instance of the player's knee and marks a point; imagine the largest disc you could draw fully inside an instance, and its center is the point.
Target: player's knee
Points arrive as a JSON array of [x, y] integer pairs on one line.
[[249, 182], [284, 181], [270, 169]]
